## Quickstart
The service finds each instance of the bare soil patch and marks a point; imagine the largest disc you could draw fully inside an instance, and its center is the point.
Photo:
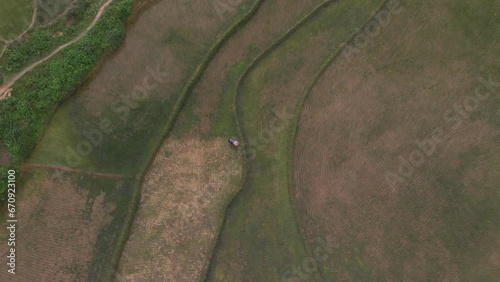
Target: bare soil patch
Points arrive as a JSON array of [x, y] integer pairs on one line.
[[181, 208]]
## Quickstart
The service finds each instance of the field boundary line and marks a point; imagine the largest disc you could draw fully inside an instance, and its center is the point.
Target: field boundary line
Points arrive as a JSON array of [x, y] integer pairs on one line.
[[219, 41], [68, 169], [20, 74], [252, 65], [297, 117]]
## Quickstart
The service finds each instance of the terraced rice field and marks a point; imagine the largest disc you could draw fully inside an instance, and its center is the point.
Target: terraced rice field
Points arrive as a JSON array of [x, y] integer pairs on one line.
[[369, 151], [261, 238], [194, 176]]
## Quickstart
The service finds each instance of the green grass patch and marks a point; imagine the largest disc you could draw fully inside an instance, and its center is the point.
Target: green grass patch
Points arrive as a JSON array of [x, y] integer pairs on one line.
[[15, 17]]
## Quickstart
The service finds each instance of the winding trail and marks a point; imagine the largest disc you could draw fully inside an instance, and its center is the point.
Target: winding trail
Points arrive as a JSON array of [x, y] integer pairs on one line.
[[35, 11], [32, 23], [17, 76]]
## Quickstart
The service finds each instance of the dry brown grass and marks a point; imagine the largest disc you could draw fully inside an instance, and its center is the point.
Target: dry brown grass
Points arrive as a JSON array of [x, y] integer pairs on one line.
[[360, 117], [181, 208], [57, 229]]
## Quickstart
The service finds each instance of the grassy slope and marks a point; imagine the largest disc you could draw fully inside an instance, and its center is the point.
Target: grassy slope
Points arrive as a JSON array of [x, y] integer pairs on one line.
[[439, 214], [15, 17], [260, 235]]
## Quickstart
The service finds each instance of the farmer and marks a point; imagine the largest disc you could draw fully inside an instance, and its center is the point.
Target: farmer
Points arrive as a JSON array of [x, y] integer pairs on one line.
[[233, 142]]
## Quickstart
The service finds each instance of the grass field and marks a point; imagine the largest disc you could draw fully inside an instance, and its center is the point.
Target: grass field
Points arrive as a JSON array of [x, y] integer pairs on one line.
[[260, 239], [438, 220], [15, 17]]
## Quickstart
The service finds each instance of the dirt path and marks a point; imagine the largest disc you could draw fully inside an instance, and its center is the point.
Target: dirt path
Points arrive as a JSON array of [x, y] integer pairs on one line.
[[61, 168], [32, 66], [7, 42], [64, 13], [35, 10]]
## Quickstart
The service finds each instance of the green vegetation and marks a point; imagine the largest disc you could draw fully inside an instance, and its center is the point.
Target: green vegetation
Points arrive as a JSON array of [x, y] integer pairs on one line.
[[15, 17], [39, 91]]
